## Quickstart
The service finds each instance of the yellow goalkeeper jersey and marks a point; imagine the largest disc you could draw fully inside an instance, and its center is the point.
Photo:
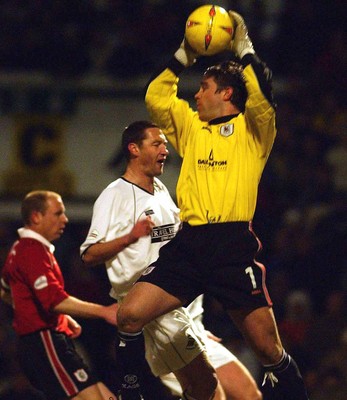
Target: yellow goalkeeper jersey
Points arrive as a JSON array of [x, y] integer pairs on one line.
[[223, 159]]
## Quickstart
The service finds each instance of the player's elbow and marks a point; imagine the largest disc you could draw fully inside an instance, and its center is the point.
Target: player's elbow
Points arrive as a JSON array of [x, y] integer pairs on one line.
[[89, 260]]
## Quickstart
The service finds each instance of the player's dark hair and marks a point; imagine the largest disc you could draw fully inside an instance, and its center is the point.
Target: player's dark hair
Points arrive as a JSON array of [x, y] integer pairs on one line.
[[135, 133], [35, 201], [230, 74]]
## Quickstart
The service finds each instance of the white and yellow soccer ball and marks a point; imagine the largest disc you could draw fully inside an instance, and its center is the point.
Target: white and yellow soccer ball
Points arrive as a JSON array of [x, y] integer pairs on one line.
[[209, 30]]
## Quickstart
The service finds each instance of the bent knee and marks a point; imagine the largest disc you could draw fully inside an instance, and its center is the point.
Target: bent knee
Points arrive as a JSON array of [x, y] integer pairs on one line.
[[128, 320]]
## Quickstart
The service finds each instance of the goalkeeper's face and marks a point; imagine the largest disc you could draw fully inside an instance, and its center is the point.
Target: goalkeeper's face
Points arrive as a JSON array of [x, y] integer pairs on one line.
[[211, 101], [152, 153]]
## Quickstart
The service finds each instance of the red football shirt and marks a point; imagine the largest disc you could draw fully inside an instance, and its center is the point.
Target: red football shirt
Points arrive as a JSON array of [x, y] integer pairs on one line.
[[37, 285]]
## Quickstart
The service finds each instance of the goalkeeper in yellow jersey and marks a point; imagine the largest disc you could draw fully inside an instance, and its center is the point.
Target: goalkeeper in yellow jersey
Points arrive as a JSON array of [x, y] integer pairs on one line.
[[224, 146]]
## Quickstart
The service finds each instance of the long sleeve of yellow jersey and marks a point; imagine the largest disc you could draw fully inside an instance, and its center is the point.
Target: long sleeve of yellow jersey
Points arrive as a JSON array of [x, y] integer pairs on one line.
[[260, 106], [173, 115]]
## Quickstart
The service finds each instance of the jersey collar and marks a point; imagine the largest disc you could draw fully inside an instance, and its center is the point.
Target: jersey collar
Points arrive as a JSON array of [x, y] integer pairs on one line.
[[155, 185], [28, 233], [221, 120]]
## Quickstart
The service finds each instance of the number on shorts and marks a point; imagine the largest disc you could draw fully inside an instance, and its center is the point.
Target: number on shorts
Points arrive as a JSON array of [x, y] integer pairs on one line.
[[249, 271]]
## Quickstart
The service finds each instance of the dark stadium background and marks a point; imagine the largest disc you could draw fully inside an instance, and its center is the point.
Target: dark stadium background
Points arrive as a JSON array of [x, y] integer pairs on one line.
[[56, 56]]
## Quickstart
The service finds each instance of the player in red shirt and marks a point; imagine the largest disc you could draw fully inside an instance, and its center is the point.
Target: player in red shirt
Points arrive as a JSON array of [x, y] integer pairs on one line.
[[32, 282]]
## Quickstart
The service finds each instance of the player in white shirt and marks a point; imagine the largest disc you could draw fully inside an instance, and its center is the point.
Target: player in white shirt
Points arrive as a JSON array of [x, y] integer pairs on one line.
[[116, 211], [132, 218]]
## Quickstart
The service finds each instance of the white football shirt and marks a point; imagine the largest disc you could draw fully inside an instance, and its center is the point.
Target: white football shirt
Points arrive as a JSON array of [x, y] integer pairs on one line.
[[115, 212]]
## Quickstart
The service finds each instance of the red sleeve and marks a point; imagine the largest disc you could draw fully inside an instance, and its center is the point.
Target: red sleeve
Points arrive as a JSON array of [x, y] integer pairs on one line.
[[43, 276]]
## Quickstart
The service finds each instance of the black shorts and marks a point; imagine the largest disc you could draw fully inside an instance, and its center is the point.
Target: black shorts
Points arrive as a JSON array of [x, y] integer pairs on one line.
[[216, 259], [51, 363]]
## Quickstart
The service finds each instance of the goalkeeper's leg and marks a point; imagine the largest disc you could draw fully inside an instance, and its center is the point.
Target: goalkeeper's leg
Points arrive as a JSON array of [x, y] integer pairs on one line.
[[282, 380]]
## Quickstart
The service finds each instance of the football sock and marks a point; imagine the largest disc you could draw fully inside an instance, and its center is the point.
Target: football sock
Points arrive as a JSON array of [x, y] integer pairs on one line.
[[130, 354], [283, 381]]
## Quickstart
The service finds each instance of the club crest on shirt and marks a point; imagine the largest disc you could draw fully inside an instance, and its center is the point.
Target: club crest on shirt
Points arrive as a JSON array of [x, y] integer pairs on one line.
[[81, 375], [226, 130], [41, 282]]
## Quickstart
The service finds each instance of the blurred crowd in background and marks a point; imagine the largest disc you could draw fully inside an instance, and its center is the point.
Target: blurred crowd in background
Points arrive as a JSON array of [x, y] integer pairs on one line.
[[71, 38], [301, 216]]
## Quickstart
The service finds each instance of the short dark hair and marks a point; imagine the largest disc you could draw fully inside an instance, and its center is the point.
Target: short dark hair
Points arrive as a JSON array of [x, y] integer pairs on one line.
[[35, 201], [230, 74], [135, 133]]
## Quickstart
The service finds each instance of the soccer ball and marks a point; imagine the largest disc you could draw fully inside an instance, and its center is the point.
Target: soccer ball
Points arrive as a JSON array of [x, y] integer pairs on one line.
[[209, 30]]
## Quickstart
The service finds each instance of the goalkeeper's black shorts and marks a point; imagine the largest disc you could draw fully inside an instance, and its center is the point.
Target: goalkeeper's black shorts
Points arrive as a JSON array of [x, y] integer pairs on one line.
[[215, 259]]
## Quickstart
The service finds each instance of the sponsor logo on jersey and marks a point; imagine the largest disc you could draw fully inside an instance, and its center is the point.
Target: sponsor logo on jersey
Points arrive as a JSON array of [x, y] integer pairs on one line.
[[163, 233], [211, 163], [41, 282], [81, 375], [226, 130]]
